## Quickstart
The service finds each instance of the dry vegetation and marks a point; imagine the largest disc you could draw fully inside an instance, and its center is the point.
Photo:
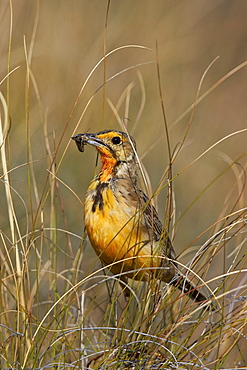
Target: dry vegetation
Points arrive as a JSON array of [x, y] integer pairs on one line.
[[74, 66]]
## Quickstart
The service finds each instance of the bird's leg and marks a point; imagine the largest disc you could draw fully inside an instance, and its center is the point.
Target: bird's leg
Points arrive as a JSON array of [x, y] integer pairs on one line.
[[125, 288], [121, 321]]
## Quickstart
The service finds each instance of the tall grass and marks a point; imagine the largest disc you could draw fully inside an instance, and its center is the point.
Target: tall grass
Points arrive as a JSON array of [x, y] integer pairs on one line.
[[58, 307]]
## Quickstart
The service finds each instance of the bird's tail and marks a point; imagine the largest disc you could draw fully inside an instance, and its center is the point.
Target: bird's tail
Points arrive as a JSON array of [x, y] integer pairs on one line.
[[188, 288]]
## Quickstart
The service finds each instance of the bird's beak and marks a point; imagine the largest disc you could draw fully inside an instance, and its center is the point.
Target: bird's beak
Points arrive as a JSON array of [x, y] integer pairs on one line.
[[91, 139]]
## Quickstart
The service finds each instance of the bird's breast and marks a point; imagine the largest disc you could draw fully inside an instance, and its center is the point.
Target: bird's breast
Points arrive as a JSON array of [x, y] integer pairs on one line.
[[114, 225]]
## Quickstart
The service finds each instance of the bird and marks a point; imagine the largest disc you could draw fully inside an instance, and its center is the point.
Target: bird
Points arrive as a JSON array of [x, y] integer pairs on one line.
[[122, 224]]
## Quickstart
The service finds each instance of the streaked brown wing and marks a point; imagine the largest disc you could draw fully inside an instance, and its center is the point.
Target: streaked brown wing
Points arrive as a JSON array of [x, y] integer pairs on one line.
[[155, 226]]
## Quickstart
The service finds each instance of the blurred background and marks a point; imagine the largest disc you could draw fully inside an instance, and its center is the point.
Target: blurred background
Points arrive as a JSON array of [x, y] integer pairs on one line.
[[63, 41]]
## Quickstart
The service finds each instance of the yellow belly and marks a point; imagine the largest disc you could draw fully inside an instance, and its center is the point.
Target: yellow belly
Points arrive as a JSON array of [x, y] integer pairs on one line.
[[118, 235]]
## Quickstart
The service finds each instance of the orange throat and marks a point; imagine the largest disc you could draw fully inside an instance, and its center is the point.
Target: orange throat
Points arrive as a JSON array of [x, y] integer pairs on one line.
[[108, 164]]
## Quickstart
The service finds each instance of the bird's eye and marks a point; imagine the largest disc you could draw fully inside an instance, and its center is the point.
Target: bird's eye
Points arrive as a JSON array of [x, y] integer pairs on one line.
[[116, 140]]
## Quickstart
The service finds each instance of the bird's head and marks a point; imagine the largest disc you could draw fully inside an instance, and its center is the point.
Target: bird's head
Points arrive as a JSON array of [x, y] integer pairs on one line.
[[116, 148], [109, 143]]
